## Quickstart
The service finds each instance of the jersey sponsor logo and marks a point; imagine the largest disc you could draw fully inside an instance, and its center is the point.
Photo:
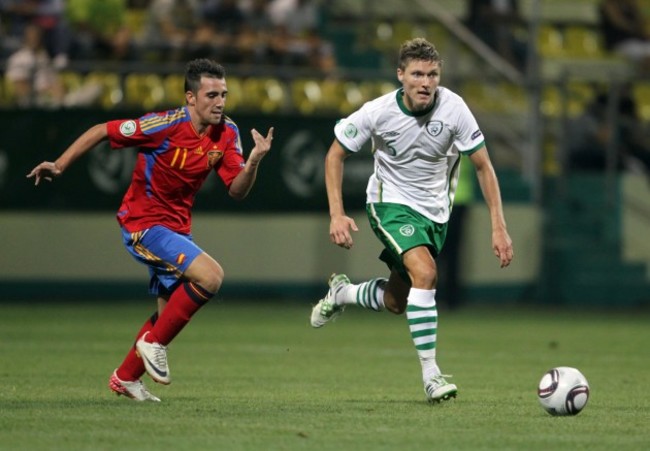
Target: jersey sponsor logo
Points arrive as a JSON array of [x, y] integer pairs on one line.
[[407, 230], [128, 128], [350, 131], [434, 127], [476, 134], [213, 157]]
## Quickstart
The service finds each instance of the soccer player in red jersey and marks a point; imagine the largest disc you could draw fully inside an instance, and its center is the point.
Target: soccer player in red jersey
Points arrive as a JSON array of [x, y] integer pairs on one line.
[[178, 149]]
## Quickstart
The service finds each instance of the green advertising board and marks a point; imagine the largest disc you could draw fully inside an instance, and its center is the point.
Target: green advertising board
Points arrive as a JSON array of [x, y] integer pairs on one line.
[[291, 177]]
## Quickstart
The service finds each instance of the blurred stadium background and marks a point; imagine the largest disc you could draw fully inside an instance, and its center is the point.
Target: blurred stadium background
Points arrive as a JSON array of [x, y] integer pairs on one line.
[[579, 233]]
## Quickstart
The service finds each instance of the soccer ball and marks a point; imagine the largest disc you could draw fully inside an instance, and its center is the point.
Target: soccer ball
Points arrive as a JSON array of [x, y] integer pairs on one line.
[[563, 391]]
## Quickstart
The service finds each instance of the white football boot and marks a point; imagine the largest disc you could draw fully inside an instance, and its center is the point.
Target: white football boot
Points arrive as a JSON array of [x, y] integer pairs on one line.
[[327, 309], [131, 389], [154, 356], [438, 389]]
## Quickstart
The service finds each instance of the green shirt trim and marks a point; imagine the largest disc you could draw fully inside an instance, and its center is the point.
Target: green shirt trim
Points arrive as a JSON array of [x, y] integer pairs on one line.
[[474, 149], [399, 96], [344, 147]]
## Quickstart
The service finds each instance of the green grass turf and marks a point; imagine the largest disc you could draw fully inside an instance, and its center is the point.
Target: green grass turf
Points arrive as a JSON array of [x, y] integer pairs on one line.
[[255, 376]]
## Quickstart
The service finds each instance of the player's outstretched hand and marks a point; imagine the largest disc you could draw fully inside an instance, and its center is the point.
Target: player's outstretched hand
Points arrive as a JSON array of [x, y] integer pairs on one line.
[[262, 144], [46, 170], [340, 227]]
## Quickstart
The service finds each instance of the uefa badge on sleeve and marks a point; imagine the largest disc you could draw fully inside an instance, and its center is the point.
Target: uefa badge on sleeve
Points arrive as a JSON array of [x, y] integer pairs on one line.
[[128, 128]]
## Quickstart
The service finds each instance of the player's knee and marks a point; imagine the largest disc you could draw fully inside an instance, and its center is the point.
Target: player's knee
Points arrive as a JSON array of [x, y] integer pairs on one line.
[[213, 280], [424, 277], [210, 278]]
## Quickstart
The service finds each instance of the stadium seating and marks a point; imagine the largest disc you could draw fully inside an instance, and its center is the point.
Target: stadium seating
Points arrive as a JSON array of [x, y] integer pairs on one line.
[[71, 80], [144, 91], [135, 20], [572, 98], [308, 96], [174, 90], [478, 95], [236, 95], [111, 88], [582, 42], [353, 98], [5, 92], [382, 38], [388, 35], [265, 94], [514, 98], [439, 36], [550, 41], [641, 96]]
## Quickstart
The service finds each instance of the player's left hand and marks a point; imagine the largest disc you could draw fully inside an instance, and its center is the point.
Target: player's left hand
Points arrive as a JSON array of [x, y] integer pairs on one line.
[[262, 145], [502, 246]]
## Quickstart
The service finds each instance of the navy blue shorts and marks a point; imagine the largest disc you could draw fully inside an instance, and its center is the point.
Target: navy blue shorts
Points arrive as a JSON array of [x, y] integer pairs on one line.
[[168, 254]]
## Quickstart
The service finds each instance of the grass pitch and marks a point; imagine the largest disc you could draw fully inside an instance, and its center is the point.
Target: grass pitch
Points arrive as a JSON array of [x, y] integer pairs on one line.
[[256, 376]]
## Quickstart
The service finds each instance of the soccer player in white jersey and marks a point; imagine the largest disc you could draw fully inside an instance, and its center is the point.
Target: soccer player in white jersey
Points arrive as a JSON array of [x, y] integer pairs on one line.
[[418, 134]]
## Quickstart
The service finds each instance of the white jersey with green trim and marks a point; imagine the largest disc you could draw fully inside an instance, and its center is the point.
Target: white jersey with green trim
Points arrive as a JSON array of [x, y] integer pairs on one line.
[[416, 154]]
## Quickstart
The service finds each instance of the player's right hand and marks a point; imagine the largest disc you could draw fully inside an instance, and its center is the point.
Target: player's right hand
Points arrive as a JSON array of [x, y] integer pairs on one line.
[[340, 227], [46, 170]]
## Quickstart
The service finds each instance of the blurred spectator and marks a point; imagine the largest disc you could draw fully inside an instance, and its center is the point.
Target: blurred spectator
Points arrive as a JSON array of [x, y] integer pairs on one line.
[[296, 38], [224, 16], [321, 52], [48, 15], [34, 81], [256, 31], [257, 14], [221, 24], [138, 4], [625, 30], [309, 50], [171, 27], [497, 22], [99, 30], [591, 134], [297, 16], [32, 77]]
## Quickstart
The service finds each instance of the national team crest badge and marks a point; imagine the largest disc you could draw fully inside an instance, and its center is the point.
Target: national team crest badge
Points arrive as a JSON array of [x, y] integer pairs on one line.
[[434, 127], [213, 157], [407, 230], [350, 131]]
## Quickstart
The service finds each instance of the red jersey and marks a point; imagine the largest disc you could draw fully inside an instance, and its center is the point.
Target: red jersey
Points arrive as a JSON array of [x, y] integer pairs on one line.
[[173, 162]]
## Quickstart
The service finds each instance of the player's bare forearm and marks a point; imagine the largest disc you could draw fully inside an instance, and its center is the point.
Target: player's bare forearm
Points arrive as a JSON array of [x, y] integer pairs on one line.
[[243, 183], [340, 224], [90, 138], [492, 195], [501, 242], [334, 161]]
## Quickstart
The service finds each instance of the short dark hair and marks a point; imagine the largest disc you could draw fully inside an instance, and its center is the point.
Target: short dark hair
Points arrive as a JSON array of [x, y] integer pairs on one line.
[[417, 49], [201, 67]]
